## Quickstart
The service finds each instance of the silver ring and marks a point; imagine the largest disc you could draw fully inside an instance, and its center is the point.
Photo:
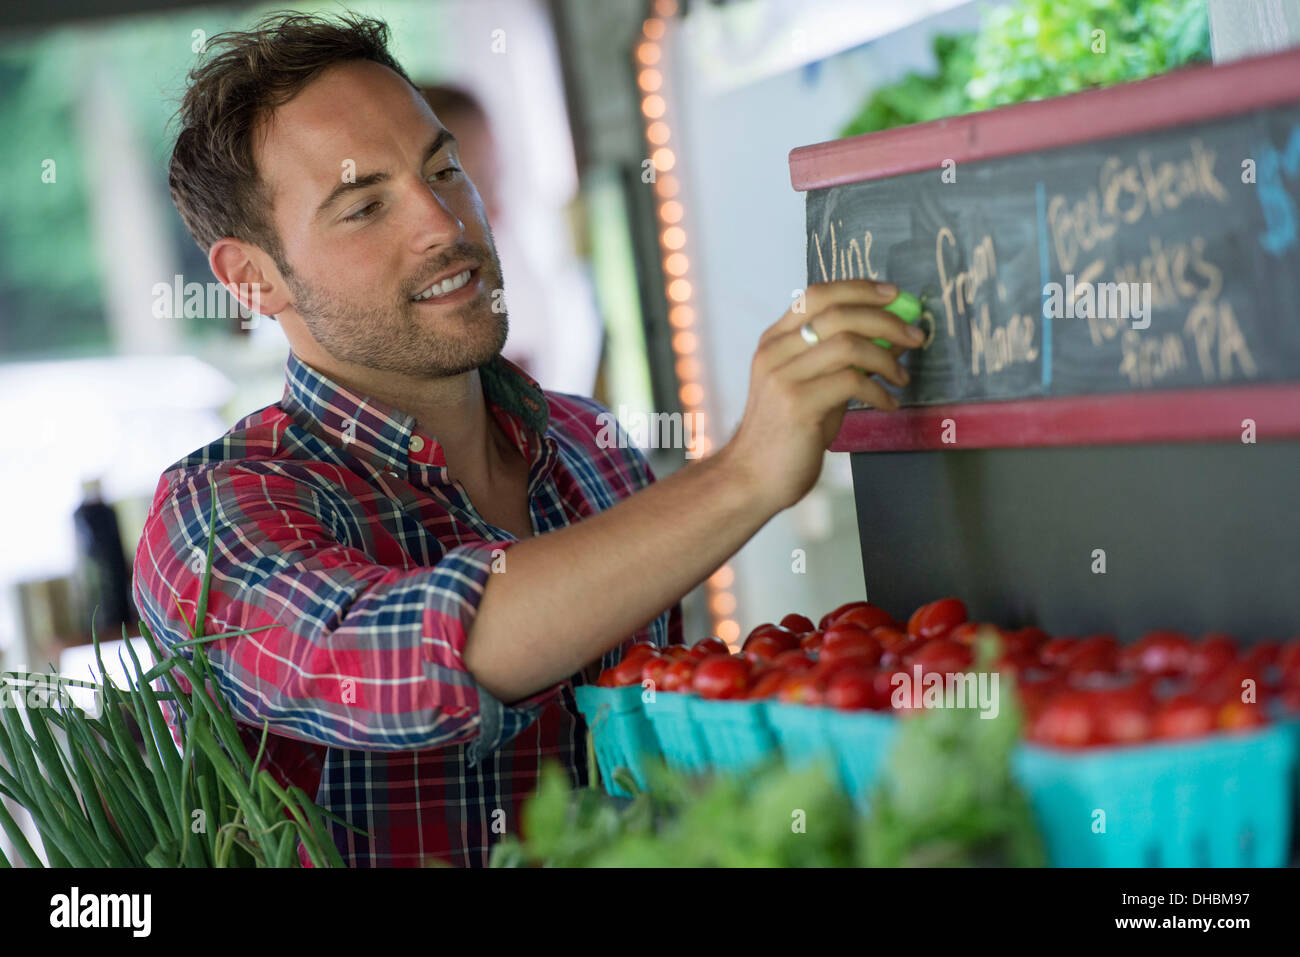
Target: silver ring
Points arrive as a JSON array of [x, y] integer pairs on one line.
[[809, 334]]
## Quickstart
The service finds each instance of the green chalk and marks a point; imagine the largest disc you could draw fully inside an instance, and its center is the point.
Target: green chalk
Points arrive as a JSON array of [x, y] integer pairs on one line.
[[907, 307]]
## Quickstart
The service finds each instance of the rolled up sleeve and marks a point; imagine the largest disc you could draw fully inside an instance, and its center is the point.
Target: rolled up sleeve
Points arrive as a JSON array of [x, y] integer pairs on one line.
[[358, 654]]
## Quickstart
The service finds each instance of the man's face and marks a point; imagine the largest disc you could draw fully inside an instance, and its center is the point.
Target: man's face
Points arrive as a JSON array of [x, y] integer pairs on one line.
[[409, 216]]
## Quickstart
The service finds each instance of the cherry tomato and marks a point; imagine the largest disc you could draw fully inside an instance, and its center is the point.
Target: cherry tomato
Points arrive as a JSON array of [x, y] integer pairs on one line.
[[812, 641], [1066, 720], [868, 616], [1124, 715], [937, 618], [768, 684], [803, 688], [721, 676], [628, 671], [830, 616], [1183, 716], [943, 655], [1024, 640], [1054, 652], [675, 652], [1288, 662], [792, 661], [653, 669], [1163, 653], [890, 636], [1262, 655], [1238, 715], [850, 689], [851, 642], [677, 677], [641, 648], [768, 644], [1214, 652], [606, 679], [709, 646], [1096, 653], [968, 631], [799, 624]]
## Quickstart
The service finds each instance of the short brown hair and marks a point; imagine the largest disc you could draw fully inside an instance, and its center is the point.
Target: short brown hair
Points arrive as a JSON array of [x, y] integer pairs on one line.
[[213, 177]]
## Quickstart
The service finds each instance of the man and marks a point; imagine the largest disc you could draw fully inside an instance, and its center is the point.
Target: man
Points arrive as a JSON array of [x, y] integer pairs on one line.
[[439, 546]]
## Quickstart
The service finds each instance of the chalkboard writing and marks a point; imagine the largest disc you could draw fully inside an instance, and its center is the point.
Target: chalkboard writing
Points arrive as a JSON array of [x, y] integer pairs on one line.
[[1169, 259]]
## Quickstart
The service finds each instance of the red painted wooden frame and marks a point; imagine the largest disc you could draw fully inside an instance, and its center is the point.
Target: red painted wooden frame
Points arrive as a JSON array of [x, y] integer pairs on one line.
[[1185, 96], [1183, 415], [1173, 99]]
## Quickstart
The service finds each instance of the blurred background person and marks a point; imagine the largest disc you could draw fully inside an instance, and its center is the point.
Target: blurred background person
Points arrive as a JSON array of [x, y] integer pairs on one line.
[[555, 333]]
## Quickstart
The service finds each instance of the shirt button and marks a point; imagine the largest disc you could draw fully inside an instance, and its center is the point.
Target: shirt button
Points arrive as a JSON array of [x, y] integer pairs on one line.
[[392, 473], [417, 443]]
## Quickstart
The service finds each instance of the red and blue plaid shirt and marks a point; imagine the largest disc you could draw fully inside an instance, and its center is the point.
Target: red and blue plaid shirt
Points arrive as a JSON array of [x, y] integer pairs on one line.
[[338, 525]]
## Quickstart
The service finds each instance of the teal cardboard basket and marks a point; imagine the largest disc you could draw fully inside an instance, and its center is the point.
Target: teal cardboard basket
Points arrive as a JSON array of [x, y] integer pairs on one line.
[[1222, 801], [680, 740], [735, 733], [801, 733], [622, 732], [861, 741]]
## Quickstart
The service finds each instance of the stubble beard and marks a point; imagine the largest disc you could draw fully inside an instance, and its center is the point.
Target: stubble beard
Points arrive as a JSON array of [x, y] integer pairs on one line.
[[396, 338]]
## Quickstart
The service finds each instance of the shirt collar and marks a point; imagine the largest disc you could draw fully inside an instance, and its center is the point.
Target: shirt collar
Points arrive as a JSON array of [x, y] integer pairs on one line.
[[383, 436]]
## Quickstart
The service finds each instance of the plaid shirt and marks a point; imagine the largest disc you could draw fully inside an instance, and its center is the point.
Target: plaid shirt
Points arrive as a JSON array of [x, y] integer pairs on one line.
[[338, 525]]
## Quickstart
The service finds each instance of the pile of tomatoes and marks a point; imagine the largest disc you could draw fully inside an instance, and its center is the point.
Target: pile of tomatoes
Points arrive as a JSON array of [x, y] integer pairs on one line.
[[1075, 692]]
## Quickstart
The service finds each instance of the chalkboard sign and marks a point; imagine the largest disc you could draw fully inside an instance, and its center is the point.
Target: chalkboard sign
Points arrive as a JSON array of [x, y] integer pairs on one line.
[[1162, 259]]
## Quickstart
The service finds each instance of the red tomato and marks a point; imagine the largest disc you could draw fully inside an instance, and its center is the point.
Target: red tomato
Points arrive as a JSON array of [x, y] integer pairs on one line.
[[942, 655], [1290, 699], [678, 675], [1211, 654], [890, 636], [937, 618], [1227, 682], [850, 689], [1162, 653], [641, 648], [709, 646], [675, 652], [1066, 720], [606, 679], [850, 643], [1096, 653], [812, 641], [628, 671], [768, 644], [721, 676], [898, 656], [1034, 692], [804, 688], [868, 616], [1238, 715], [799, 624], [1288, 662], [968, 631], [653, 668], [1183, 716], [1024, 641], [830, 616], [792, 661], [1124, 715], [1262, 655], [768, 684], [1054, 652]]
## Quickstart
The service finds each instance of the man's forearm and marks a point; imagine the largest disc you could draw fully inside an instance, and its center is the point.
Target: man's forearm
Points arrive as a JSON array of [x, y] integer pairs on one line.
[[568, 596]]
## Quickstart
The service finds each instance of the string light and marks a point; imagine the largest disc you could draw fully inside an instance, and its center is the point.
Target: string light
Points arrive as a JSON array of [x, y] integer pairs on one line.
[[673, 242]]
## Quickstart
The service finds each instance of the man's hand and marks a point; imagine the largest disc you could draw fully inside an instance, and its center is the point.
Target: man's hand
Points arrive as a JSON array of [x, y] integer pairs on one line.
[[798, 393]]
